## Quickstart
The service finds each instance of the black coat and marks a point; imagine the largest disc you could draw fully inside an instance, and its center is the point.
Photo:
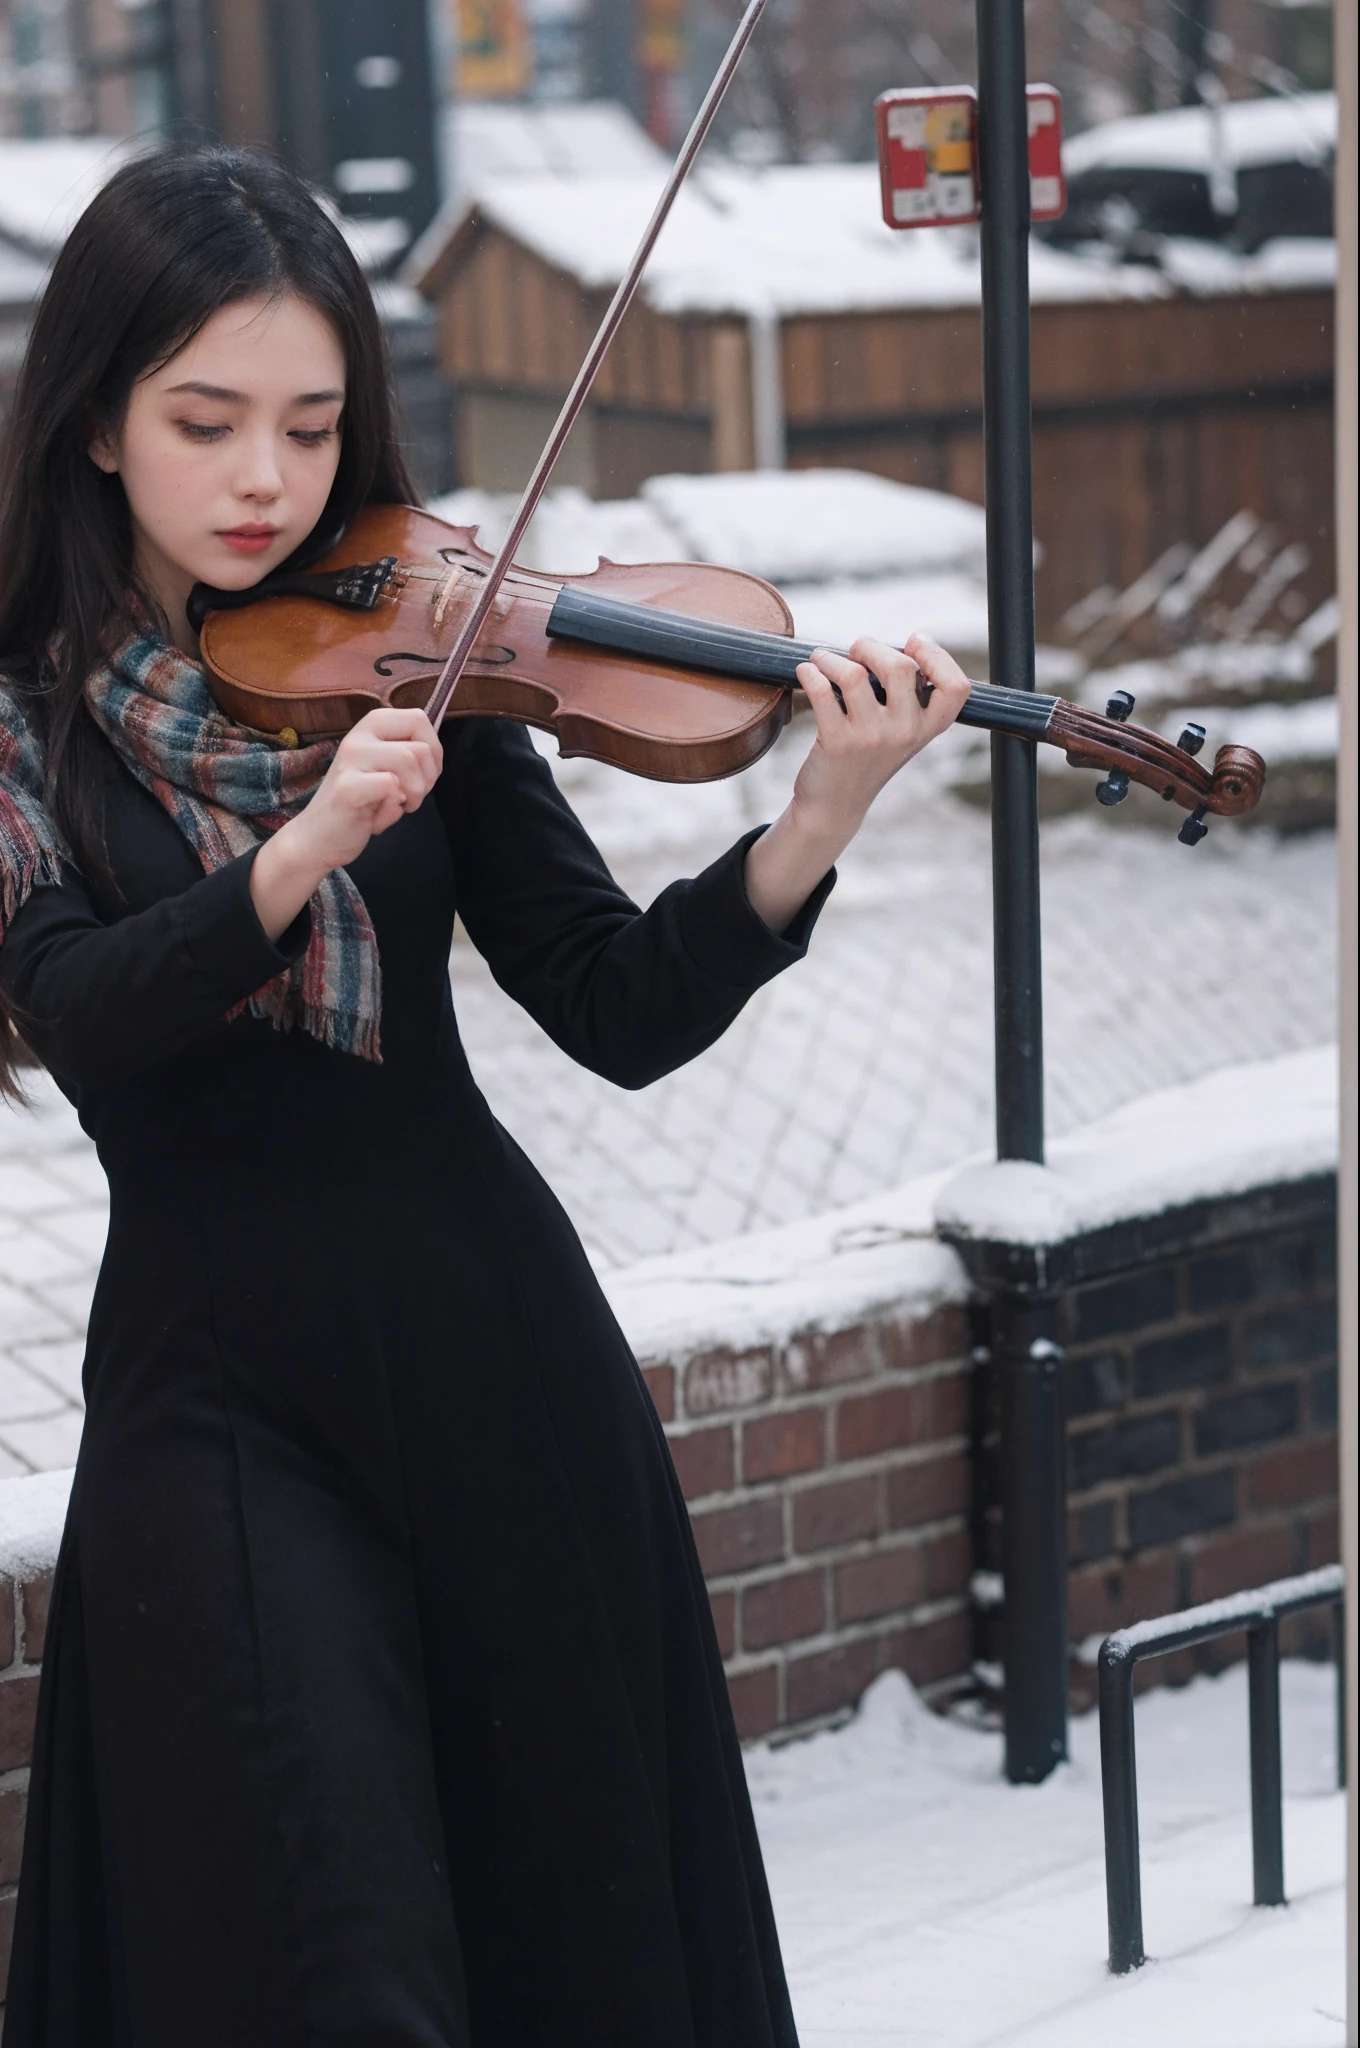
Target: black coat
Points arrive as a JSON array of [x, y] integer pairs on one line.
[[381, 1703]]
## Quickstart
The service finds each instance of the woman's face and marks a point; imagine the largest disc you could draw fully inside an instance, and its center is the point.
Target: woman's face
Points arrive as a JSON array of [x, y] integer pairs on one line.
[[227, 453]]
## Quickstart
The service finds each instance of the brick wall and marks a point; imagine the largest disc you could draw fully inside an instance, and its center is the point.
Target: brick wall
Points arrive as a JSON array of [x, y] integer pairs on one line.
[[23, 1621], [842, 1482], [1200, 1386], [830, 1483]]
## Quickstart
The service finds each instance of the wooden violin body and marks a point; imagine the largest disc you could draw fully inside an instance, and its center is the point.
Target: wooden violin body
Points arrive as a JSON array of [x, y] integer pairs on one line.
[[681, 671], [314, 665]]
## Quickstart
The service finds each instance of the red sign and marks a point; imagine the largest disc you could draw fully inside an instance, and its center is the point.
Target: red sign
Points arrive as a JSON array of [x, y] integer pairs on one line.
[[927, 156], [1047, 186]]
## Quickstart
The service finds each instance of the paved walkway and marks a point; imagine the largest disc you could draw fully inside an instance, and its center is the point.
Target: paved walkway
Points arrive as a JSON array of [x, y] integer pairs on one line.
[[869, 1063]]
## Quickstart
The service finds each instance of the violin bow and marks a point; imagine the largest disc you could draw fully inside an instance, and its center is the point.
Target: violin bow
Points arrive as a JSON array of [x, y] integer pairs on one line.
[[585, 377]]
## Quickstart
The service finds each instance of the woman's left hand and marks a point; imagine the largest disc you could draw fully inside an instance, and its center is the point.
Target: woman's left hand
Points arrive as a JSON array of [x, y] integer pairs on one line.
[[860, 745]]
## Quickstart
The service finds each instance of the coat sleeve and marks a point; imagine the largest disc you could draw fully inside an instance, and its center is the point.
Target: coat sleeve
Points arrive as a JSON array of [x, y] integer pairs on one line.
[[631, 994], [98, 1000]]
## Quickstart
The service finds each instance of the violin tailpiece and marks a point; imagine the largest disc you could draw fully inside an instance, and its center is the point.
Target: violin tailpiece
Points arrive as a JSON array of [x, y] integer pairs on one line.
[[359, 587]]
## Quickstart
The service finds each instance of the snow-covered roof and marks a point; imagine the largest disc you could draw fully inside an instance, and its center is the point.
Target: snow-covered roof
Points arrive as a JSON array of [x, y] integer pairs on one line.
[[798, 238], [46, 185], [1239, 134], [574, 139]]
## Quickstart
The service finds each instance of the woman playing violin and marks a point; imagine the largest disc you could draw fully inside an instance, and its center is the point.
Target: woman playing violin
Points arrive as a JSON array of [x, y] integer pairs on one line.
[[381, 1702]]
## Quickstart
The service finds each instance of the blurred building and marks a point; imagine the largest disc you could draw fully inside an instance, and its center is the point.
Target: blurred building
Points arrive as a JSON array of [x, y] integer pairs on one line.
[[780, 322], [346, 89], [350, 91], [392, 106], [804, 93]]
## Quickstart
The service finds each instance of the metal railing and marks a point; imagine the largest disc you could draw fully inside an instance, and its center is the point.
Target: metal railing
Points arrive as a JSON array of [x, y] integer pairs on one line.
[[1258, 1613]]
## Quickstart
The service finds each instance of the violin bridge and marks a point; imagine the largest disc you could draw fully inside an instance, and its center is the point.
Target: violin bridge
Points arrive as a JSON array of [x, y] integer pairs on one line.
[[459, 582], [450, 585]]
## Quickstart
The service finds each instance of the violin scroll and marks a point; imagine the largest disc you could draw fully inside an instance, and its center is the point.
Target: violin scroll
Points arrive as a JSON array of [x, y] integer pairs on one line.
[[1130, 753], [1238, 779]]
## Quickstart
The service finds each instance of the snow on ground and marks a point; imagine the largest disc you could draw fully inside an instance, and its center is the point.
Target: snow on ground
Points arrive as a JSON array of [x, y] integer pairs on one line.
[[923, 1903]]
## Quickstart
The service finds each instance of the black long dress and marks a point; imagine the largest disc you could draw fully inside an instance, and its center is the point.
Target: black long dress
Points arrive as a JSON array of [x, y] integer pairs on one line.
[[381, 1703]]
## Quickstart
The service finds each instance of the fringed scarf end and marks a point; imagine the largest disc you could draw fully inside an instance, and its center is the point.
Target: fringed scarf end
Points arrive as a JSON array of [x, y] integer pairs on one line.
[[20, 874]]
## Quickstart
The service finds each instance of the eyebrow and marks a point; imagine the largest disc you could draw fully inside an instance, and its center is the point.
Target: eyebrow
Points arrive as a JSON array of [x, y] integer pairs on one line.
[[225, 397]]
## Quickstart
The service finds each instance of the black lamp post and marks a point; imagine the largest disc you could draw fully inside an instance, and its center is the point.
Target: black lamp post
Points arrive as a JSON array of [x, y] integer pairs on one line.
[[1025, 1351]]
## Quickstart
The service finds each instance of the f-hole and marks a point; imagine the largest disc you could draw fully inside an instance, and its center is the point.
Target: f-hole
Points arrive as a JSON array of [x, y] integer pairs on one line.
[[498, 657]]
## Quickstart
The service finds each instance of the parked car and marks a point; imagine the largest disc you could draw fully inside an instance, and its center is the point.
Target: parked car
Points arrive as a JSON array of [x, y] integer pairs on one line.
[[1242, 173]]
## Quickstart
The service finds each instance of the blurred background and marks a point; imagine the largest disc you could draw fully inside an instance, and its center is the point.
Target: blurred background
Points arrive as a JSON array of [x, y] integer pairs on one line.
[[797, 392]]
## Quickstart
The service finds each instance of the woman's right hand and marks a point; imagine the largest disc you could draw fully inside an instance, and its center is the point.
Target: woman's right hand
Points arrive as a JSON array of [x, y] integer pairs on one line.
[[384, 767]]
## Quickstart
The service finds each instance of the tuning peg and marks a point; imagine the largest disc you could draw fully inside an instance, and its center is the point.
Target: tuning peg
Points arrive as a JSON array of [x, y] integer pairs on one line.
[[1192, 739], [1119, 706], [1114, 788], [1194, 829]]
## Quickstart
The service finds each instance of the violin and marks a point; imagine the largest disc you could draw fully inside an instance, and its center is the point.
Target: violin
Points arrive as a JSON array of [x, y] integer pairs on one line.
[[680, 671]]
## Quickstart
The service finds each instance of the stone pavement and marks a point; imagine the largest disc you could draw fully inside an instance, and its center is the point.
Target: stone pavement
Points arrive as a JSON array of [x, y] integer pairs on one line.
[[869, 1063]]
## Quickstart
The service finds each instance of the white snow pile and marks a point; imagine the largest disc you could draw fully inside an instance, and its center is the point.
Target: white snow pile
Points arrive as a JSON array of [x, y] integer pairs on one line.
[[949, 608], [1253, 667], [32, 1515], [852, 552], [824, 1273], [923, 1903], [1243, 1127], [1242, 133], [1290, 263], [45, 185], [1307, 731], [790, 525], [809, 525]]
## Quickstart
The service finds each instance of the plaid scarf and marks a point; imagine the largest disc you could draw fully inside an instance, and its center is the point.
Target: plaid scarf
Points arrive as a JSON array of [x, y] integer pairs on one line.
[[227, 789]]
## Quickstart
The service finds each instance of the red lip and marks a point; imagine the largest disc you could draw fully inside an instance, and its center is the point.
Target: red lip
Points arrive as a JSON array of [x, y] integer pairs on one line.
[[250, 540]]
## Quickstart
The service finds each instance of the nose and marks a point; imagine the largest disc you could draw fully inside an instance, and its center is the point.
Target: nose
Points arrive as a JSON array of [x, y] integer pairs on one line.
[[258, 476]]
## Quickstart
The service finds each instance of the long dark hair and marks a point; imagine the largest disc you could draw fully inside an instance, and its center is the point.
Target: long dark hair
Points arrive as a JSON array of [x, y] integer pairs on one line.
[[171, 239]]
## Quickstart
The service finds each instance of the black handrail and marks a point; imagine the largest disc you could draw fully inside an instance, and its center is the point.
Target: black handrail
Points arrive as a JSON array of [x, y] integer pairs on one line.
[[1259, 1613]]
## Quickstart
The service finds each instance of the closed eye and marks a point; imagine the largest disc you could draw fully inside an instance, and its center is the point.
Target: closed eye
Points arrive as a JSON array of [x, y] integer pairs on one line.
[[197, 431], [312, 437]]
